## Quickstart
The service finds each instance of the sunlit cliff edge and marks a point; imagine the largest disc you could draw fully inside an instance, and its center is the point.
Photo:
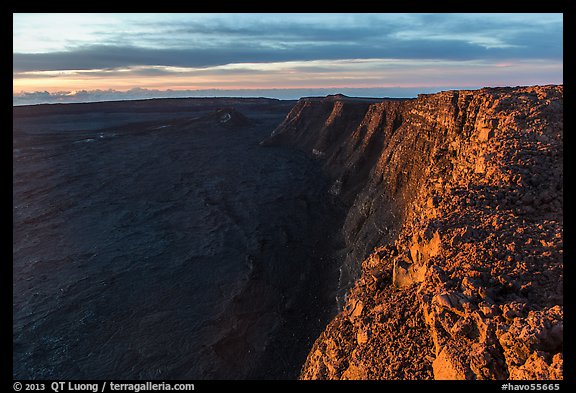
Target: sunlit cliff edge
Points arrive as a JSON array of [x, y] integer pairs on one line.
[[454, 233]]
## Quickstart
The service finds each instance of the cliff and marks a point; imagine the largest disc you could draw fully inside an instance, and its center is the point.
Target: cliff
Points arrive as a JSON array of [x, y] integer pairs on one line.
[[454, 233]]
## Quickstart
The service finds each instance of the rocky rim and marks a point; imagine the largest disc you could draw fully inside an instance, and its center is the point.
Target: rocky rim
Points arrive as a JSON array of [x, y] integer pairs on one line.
[[454, 233]]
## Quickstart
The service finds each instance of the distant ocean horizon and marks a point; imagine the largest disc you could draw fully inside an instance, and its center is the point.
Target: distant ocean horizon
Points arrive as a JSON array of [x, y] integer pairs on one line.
[[64, 97]]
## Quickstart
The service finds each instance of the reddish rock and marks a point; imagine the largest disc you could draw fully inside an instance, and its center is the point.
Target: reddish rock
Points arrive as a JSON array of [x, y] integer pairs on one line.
[[448, 366], [455, 206]]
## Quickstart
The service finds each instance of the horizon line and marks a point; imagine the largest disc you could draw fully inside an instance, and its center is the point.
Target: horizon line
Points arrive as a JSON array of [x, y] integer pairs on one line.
[[65, 98]]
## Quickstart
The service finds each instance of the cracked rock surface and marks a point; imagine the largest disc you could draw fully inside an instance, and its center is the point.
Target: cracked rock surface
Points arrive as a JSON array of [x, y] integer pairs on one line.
[[454, 233]]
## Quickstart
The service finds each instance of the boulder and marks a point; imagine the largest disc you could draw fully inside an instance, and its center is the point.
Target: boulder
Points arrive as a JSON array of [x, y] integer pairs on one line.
[[405, 274], [447, 366]]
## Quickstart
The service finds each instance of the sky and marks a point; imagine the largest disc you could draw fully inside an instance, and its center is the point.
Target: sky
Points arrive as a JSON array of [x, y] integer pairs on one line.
[[94, 57]]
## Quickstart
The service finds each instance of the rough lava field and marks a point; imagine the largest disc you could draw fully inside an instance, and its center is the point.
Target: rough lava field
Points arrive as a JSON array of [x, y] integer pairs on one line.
[[157, 240]]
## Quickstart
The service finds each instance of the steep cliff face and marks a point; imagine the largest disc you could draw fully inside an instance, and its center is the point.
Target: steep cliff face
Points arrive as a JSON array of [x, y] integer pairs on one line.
[[454, 233], [351, 137]]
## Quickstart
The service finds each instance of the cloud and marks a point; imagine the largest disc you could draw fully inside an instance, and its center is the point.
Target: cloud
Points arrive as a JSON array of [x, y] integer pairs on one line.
[[192, 51], [300, 74], [194, 41], [105, 56]]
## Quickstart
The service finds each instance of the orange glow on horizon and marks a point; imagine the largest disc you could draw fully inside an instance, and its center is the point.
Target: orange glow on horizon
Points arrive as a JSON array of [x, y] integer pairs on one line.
[[124, 87], [287, 76], [53, 85]]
